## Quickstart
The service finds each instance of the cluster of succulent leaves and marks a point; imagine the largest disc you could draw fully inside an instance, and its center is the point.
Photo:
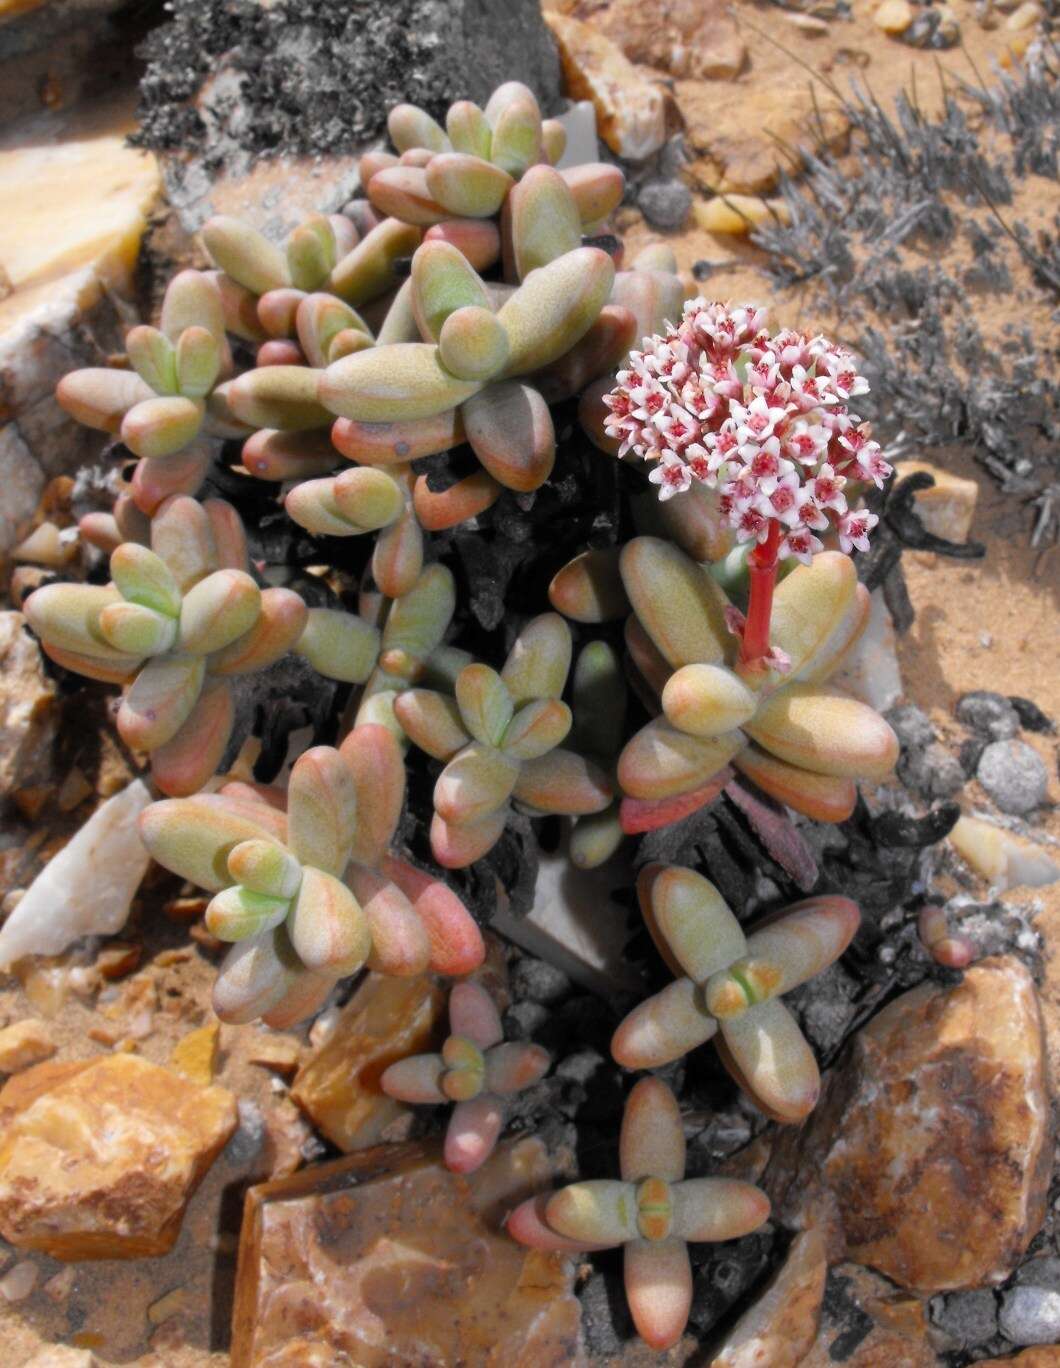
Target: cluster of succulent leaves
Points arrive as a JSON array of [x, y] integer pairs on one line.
[[458, 309]]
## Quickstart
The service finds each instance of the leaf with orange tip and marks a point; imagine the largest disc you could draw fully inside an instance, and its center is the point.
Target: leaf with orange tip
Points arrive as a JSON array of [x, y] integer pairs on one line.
[[304, 997], [472, 1133], [160, 700], [457, 846], [825, 798], [658, 1281], [514, 1066], [456, 942], [605, 346], [509, 425], [431, 721], [652, 1139], [661, 762], [663, 1027], [638, 815], [825, 731], [400, 945], [767, 1054], [467, 498], [157, 479], [274, 455], [473, 1014], [539, 661], [563, 782], [193, 837], [186, 762], [474, 784], [589, 588], [321, 809], [415, 1079], [528, 1225], [254, 977], [281, 622], [398, 557], [601, 1211], [676, 600], [374, 760], [328, 928]]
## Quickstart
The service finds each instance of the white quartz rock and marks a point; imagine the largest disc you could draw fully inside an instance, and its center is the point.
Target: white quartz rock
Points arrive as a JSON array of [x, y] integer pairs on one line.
[[88, 887]]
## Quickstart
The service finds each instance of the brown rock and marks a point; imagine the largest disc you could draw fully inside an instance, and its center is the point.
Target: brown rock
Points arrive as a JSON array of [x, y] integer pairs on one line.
[[929, 1154], [385, 1257], [630, 111], [98, 1158], [780, 1327], [338, 1086], [28, 715], [866, 1323], [743, 144], [25, 1043], [697, 38]]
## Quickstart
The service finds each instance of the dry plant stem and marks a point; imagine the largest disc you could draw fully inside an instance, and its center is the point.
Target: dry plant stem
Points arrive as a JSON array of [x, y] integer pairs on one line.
[[763, 576]]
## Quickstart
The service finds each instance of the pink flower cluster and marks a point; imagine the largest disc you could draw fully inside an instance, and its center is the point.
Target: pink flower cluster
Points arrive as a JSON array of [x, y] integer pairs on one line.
[[762, 418]]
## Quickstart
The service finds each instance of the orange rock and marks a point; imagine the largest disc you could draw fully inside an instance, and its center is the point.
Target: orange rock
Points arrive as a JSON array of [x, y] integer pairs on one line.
[[98, 1158], [929, 1154], [386, 1257], [195, 1055], [25, 1043], [338, 1086], [781, 1325], [630, 111]]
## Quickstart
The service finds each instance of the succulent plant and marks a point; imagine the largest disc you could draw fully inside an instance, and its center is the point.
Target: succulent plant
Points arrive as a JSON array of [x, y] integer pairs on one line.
[[802, 742], [730, 986], [599, 697], [653, 1211], [500, 737], [310, 895], [461, 177], [477, 1069], [179, 620], [170, 401]]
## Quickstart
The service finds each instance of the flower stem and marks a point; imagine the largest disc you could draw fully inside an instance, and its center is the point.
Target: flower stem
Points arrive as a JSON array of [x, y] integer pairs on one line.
[[763, 571]]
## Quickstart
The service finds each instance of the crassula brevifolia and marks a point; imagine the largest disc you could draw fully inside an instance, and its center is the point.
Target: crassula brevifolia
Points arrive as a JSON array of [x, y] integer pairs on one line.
[[653, 1211], [476, 1069], [731, 985], [311, 894], [179, 619], [500, 738]]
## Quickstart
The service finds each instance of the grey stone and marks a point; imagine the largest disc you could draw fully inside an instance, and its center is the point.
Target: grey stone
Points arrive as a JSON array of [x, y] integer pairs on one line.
[[665, 203], [536, 979], [931, 770], [911, 725], [1014, 775], [967, 1318], [1030, 1312], [230, 83], [989, 714], [523, 1020]]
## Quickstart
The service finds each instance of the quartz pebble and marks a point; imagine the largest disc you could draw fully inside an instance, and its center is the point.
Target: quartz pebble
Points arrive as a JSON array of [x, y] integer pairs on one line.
[[18, 1282], [739, 215], [1030, 1311]]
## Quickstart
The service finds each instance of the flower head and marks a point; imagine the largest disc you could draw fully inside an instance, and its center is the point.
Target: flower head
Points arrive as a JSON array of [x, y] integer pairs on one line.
[[763, 418]]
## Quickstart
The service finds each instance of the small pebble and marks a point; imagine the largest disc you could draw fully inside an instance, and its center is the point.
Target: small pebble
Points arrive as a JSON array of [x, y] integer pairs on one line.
[[539, 981], [911, 726], [893, 16], [990, 714], [525, 1020], [1014, 775], [665, 203], [1030, 1315], [968, 1318], [931, 770], [17, 1284]]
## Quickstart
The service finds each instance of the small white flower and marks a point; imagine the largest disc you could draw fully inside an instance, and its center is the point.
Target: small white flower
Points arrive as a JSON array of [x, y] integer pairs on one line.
[[671, 475], [854, 529]]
